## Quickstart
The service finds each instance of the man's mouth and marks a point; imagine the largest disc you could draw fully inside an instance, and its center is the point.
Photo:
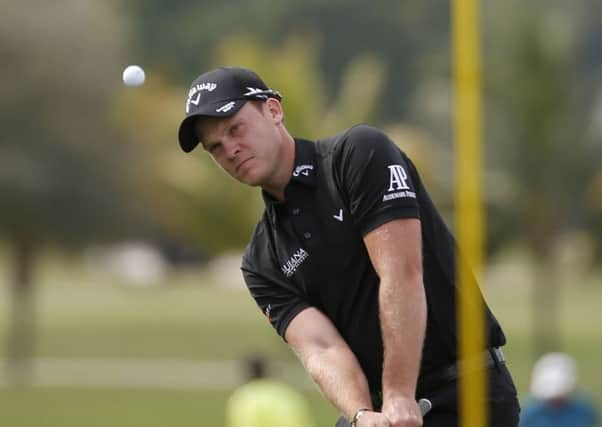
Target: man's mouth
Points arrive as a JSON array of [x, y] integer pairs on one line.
[[241, 164]]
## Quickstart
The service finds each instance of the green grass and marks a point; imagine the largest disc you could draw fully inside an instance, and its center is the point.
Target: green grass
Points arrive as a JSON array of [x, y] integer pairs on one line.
[[61, 407], [86, 316], [579, 329], [181, 322]]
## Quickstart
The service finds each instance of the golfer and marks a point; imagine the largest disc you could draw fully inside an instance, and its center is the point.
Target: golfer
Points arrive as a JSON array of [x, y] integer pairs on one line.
[[351, 262]]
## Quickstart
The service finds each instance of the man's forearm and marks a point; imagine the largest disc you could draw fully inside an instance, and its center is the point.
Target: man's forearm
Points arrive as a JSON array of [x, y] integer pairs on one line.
[[403, 323], [338, 374]]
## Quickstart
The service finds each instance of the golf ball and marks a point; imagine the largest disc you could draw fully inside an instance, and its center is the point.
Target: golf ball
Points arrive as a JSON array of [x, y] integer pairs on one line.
[[133, 75]]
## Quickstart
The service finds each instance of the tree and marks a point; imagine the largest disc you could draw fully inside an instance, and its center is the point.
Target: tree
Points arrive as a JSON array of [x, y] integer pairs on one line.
[[412, 39], [538, 118], [65, 175]]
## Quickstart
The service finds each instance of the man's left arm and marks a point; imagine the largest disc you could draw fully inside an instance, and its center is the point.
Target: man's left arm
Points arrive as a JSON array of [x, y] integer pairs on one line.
[[395, 249]]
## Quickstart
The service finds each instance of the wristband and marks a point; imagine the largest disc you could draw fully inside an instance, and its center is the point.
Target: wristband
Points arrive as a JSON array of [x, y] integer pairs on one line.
[[357, 416]]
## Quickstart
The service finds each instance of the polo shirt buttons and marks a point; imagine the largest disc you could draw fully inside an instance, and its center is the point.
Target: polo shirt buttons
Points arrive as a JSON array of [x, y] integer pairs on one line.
[[296, 211], [307, 235]]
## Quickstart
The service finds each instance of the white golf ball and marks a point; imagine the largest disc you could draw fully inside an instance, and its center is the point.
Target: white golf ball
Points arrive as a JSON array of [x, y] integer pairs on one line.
[[133, 75]]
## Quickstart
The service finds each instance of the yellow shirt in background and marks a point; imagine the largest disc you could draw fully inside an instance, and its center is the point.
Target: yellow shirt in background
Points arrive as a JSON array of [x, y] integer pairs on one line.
[[267, 403]]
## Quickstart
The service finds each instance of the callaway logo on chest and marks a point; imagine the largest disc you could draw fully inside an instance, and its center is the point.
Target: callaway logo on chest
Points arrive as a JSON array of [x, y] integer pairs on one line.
[[303, 170]]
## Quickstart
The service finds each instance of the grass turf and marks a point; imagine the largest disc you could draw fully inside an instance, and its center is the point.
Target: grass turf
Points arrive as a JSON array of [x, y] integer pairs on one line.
[[61, 407]]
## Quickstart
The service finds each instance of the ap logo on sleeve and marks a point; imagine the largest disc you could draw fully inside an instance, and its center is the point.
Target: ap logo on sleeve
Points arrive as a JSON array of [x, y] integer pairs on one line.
[[398, 184]]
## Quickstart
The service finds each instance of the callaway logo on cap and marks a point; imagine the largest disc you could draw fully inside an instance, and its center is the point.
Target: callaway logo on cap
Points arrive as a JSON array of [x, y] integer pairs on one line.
[[220, 93]]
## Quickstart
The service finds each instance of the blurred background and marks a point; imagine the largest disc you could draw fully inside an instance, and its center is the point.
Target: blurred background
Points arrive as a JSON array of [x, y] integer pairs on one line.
[[121, 300]]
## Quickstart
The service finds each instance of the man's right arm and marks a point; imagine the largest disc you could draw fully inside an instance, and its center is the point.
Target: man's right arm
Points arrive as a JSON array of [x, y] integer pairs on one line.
[[332, 365]]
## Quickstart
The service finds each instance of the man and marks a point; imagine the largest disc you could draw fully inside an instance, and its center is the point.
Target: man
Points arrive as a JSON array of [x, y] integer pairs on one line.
[[555, 401], [351, 262]]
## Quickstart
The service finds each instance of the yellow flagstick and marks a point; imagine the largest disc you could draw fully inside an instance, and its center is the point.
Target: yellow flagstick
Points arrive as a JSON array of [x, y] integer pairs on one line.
[[469, 221]]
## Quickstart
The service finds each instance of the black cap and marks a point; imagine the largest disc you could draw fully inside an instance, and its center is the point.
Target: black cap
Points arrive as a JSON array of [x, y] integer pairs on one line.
[[220, 93]]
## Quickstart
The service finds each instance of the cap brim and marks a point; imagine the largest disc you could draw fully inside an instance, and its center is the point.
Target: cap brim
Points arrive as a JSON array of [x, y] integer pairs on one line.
[[187, 133]]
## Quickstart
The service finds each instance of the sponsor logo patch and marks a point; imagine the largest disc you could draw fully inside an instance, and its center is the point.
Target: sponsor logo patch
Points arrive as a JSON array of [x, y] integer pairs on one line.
[[196, 90], [399, 195], [339, 217], [253, 91], [398, 184], [268, 312], [303, 170], [294, 262], [226, 107]]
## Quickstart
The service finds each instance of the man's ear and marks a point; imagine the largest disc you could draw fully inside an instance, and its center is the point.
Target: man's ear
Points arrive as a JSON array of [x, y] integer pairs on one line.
[[274, 109]]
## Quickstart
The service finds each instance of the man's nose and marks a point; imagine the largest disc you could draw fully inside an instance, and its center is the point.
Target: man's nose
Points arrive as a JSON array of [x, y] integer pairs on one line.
[[232, 149]]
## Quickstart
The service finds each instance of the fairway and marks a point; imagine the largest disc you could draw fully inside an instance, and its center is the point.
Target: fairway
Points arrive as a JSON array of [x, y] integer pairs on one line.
[[185, 319], [61, 407]]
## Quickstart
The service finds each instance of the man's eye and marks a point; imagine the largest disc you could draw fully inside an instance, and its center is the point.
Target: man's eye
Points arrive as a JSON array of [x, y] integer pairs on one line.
[[234, 130], [213, 148]]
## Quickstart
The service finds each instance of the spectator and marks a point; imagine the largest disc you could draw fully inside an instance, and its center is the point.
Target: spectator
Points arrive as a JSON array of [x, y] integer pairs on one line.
[[264, 402], [554, 401]]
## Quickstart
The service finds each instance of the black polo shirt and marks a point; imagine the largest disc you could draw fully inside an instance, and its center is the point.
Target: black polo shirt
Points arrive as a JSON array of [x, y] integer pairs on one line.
[[309, 251]]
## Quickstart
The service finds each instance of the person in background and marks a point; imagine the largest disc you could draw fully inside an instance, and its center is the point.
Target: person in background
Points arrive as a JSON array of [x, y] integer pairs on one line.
[[554, 401], [264, 402]]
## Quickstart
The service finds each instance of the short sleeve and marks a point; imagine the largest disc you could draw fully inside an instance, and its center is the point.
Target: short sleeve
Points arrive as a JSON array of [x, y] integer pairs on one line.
[[378, 180], [277, 299]]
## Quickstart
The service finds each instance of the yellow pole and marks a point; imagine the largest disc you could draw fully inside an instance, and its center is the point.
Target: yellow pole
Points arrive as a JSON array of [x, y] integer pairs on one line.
[[469, 219]]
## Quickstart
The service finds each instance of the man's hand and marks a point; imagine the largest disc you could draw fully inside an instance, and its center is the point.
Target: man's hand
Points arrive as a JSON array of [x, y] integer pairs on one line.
[[402, 412], [373, 419]]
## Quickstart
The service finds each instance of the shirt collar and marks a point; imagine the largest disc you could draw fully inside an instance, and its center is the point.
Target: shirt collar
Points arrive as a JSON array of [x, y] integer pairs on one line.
[[304, 169]]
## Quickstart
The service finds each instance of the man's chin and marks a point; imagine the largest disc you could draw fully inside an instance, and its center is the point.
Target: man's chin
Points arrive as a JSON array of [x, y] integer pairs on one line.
[[249, 179]]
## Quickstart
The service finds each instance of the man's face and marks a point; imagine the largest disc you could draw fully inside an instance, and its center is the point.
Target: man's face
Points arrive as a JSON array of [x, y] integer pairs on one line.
[[246, 145]]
